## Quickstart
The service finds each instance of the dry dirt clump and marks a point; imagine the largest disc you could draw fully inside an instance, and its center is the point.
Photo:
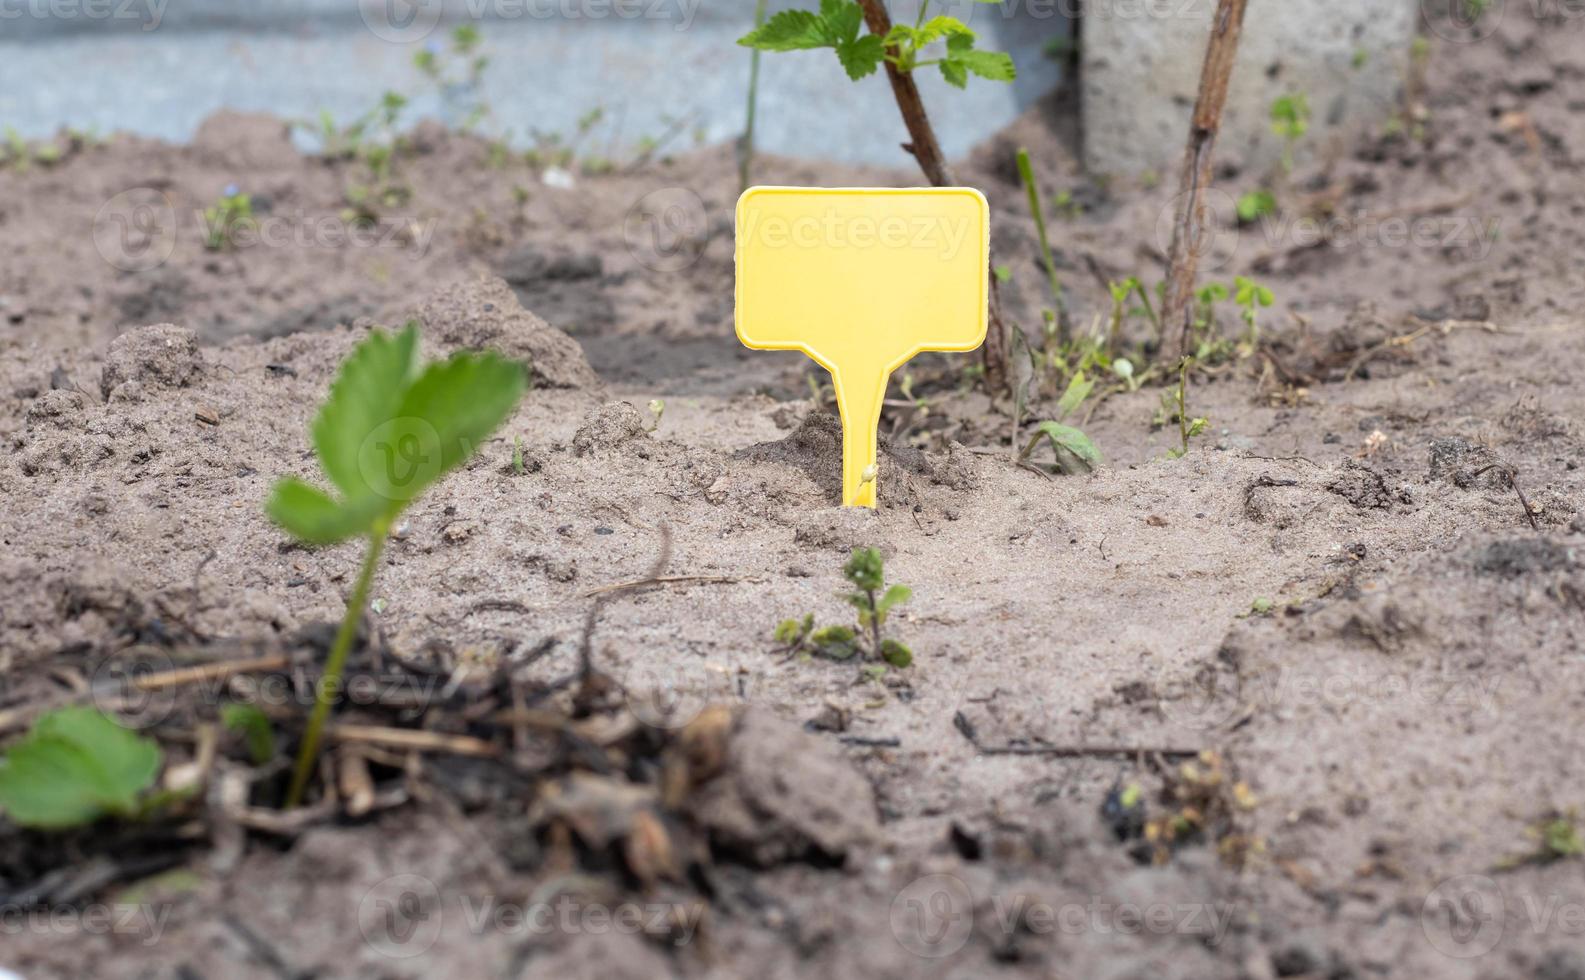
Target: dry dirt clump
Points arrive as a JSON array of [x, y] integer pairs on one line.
[[784, 795], [607, 427], [160, 356], [482, 313]]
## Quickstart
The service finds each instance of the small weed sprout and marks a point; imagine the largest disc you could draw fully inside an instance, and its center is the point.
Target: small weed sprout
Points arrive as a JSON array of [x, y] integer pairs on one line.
[[1555, 837], [1251, 297], [1026, 173], [873, 600], [1256, 205], [226, 217], [1074, 451], [657, 408], [1178, 398], [1290, 119], [459, 86], [390, 429]]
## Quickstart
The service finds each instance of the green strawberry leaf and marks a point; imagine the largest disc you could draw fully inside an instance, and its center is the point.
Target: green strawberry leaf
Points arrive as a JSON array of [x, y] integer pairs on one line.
[[74, 767], [790, 30], [366, 394], [861, 57], [308, 514]]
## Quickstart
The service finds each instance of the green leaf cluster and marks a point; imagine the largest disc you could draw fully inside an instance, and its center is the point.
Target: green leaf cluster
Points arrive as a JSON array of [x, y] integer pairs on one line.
[[1074, 451], [838, 25], [873, 601], [73, 767], [390, 429]]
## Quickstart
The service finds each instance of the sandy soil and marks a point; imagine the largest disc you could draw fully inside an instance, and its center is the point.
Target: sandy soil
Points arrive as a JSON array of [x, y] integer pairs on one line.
[[1337, 592]]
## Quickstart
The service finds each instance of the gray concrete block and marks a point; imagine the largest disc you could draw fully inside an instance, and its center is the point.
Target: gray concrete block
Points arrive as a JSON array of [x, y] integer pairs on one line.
[[158, 67], [1141, 71]]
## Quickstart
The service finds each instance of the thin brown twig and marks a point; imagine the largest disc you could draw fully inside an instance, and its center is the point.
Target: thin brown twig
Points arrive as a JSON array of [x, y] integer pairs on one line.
[[1189, 225]]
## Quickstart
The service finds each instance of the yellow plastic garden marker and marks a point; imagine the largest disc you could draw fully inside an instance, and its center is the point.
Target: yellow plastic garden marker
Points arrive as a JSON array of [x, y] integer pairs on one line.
[[861, 280]]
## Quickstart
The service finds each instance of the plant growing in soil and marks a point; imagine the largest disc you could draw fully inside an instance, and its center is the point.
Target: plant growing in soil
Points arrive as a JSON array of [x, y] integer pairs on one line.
[[438, 65], [874, 601], [1290, 119], [390, 429], [1251, 297], [1074, 451], [1256, 205], [227, 216], [1188, 427], [1026, 173], [75, 766]]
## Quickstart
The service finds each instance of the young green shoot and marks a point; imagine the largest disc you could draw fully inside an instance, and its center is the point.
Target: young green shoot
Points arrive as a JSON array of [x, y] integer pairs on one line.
[[873, 600], [390, 429], [837, 25], [1073, 450], [1188, 427], [226, 217], [1251, 297], [1256, 205], [1290, 119], [1026, 173]]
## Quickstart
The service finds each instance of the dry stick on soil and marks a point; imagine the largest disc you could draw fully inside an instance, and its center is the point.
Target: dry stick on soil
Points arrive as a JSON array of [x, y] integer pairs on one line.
[[1512, 473], [966, 729], [1189, 225], [927, 150], [592, 619]]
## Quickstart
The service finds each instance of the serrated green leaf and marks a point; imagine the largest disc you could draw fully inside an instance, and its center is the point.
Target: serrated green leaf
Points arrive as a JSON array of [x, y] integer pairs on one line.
[[790, 30], [939, 27], [74, 767], [840, 21], [893, 596], [453, 407], [954, 72], [308, 514], [861, 57], [996, 66], [366, 393]]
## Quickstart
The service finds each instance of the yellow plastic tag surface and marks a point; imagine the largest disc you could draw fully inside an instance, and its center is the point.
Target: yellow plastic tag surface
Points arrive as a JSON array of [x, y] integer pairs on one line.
[[861, 280]]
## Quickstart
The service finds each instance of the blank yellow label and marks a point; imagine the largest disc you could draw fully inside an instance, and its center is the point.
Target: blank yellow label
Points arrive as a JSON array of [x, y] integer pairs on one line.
[[861, 280]]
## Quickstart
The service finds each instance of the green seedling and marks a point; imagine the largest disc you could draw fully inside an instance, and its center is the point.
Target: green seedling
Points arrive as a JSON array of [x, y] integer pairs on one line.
[[1004, 273], [254, 726], [1026, 173], [1256, 205], [74, 767], [837, 25], [458, 73], [1120, 311], [226, 217], [1065, 206], [1251, 297], [391, 428], [657, 408], [1177, 399], [1074, 451], [1555, 837], [874, 602], [1290, 119]]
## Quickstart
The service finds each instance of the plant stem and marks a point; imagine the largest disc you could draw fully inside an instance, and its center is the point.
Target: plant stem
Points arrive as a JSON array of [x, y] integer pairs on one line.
[[875, 625], [745, 146], [927, 151], [1183, 403], [330, 682], [1026, 172], [1189, 225]]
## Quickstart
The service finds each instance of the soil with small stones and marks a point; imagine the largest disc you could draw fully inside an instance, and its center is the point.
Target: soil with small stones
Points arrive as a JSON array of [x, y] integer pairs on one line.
[[1338, 591]]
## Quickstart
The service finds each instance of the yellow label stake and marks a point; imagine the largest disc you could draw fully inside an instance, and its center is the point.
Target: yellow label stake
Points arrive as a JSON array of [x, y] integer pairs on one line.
[[861, 280]]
